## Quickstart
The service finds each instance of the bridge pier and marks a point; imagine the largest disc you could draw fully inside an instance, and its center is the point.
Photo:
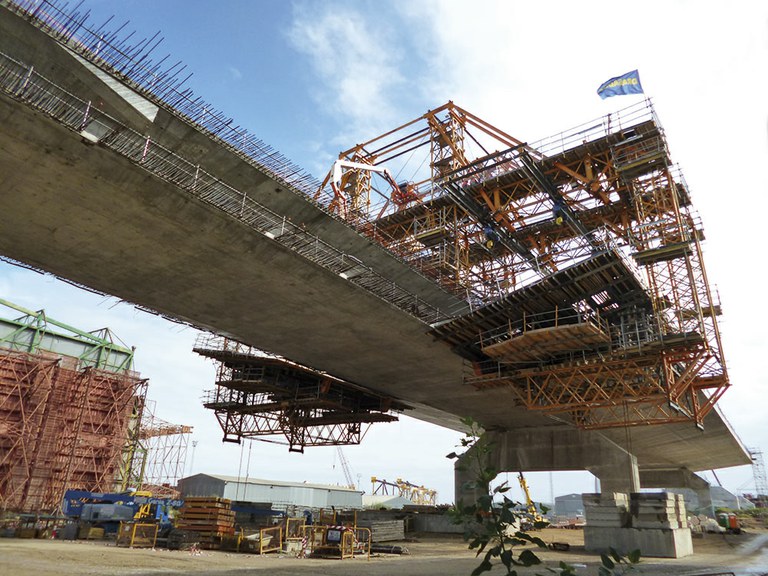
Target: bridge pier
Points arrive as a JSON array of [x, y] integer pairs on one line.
[[620, 517], [546, 450]]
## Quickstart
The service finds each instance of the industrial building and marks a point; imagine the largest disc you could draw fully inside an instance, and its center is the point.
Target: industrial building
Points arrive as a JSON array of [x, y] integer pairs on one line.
[[281, 495]]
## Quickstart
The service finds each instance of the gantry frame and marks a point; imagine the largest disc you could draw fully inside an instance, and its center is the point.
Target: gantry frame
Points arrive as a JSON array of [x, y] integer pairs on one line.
[[590, 236], [267, 397]]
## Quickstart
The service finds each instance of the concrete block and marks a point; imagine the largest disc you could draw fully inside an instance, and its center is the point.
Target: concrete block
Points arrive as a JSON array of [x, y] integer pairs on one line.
[[614, 514], [654, 524], [653, 543], [652, 496], [604, 499], [605, 523], [436, 523]]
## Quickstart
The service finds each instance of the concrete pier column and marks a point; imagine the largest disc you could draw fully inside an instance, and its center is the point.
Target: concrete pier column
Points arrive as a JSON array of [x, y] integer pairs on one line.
[[547, 450]]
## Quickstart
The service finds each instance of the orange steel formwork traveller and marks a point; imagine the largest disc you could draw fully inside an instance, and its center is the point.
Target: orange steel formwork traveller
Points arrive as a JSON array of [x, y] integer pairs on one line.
[[580, 257]]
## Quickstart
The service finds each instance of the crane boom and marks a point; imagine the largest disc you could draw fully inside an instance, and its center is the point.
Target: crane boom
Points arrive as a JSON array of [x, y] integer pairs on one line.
[[345, 468], [531, 507]]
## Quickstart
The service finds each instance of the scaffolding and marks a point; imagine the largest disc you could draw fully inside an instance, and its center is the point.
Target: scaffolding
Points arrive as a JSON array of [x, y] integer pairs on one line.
[[580, 257], [68, 401], [760, 497], [159, 454], [267, 397]]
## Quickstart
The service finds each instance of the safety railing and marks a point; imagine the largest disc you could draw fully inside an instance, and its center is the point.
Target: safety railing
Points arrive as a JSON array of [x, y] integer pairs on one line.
[[294, 528], [553, 319], [596, 129], [25, 85], [270, 539], [133, 65], [136, 535]]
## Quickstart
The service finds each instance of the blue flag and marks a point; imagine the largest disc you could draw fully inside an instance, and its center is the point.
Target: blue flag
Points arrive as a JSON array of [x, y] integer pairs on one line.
[[629, 83]]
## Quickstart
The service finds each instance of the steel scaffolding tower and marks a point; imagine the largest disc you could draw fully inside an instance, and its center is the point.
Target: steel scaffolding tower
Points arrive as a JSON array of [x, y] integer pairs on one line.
[[580, 257], [761, 480], [160, 454]]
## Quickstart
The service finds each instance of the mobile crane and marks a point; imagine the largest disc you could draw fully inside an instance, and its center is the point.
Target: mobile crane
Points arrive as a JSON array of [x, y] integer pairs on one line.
[[533, 513]]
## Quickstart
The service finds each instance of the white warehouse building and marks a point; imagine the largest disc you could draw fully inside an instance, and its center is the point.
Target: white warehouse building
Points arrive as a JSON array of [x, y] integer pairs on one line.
[[279, 494]]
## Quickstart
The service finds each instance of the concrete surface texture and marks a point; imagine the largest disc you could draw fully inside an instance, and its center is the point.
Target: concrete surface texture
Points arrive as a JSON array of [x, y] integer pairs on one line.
[[86, 213]]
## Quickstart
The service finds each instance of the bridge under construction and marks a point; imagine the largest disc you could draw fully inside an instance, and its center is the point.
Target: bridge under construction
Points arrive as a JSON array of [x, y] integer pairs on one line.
[[553, 291]]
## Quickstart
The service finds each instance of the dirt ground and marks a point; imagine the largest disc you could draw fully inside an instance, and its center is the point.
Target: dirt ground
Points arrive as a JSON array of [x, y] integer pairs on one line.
[[430, 555]]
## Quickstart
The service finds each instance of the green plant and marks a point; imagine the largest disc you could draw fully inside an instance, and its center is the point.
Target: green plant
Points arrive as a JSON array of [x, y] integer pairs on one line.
[[493, 526], [614, 564]]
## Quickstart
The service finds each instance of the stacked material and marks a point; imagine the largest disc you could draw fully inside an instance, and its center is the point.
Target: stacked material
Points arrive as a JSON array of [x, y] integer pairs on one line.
[[608, 509], [384, 530], [658, 510], [210, 518], [654, 523]]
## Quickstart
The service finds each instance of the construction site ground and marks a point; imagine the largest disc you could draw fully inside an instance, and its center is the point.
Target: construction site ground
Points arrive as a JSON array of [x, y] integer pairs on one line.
[[430, 555]]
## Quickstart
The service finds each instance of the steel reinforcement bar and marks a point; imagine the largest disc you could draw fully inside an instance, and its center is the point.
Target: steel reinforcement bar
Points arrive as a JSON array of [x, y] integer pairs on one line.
[[24, 85]]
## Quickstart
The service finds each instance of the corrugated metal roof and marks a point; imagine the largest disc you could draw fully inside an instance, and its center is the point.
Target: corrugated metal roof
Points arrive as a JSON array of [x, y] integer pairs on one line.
[[262, 482]]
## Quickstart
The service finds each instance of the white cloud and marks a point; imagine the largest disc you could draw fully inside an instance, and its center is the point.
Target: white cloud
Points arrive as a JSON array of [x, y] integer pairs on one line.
[[235, 73], [355, 62]]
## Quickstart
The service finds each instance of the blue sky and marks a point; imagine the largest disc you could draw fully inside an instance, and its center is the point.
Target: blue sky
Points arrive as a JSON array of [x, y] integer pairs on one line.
[[312, 78]]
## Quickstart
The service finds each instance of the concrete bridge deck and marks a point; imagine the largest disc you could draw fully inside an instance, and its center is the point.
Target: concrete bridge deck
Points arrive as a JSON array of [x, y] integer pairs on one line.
[[78, 202]]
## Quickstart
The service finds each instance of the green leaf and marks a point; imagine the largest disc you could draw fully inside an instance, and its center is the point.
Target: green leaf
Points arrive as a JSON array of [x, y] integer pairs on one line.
[[484, 566], [539, 542], [506, 516], [607, 562], [506, 559], [452, 455], [528, 558], [634, 556], [616, 556], [484, 502], [468, 421]]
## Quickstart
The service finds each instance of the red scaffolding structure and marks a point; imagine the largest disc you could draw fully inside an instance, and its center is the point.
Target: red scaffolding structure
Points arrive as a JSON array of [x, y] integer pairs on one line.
[[65, 419]]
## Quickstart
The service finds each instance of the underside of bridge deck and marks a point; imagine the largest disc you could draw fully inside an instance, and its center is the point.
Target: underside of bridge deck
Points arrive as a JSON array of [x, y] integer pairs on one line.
[[532, 320]]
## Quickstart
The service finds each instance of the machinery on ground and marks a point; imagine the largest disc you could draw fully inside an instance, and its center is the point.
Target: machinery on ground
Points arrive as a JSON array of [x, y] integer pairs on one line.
[[107, 510], [536, 520]]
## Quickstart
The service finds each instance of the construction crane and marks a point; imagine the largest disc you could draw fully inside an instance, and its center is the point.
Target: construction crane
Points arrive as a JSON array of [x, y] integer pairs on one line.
[[529, 505], [419, 495], [345, 468]]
